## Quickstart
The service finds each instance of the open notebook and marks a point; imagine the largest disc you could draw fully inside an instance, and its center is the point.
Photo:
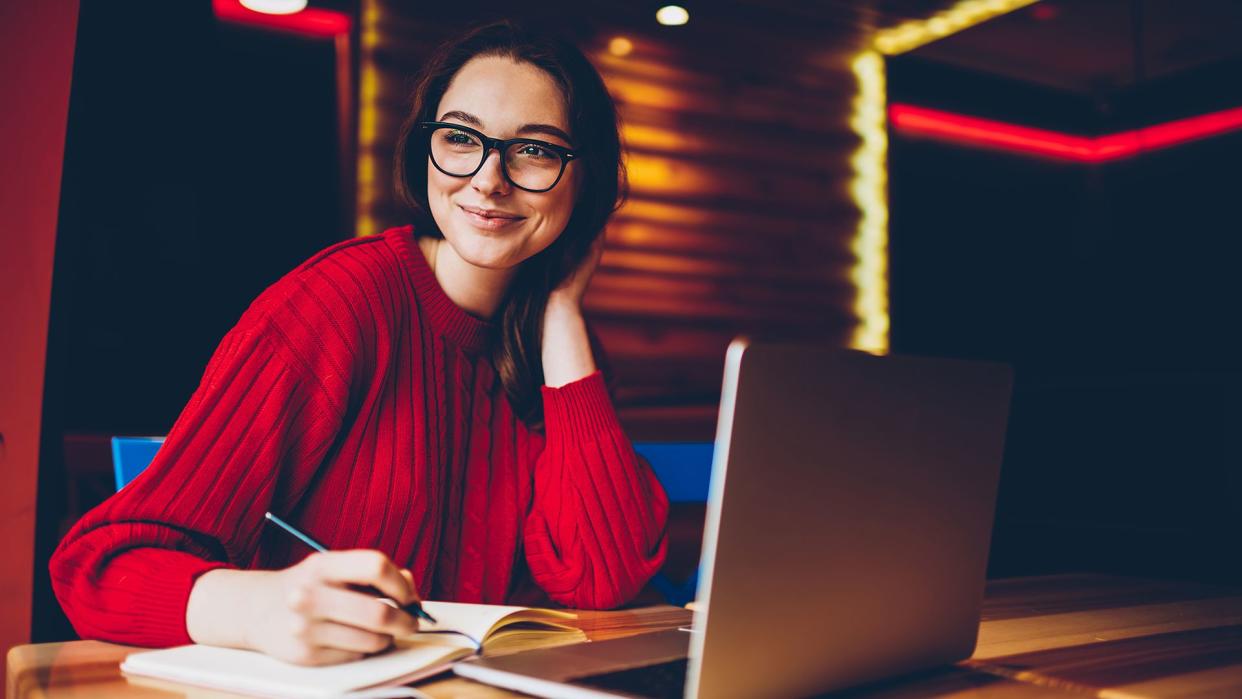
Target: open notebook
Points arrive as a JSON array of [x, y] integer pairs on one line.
[[501, 630]]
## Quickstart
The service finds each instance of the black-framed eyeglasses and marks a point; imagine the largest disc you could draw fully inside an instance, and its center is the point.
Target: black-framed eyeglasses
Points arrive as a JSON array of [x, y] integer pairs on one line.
[[529, 164]]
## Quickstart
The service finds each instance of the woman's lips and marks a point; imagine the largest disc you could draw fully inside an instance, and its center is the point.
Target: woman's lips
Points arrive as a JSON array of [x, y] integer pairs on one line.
[[489, 219]]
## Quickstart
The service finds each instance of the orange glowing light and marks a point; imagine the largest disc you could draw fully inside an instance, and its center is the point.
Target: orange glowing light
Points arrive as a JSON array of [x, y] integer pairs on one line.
[[637, 208], [646, 94], [620, 46], [652, 137], [664, 176]]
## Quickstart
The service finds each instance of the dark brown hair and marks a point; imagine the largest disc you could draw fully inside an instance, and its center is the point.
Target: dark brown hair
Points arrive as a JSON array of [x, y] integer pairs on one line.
[[516, 351]]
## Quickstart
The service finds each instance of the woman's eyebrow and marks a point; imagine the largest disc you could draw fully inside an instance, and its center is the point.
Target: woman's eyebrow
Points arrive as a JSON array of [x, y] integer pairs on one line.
[[545, 129], [463, 116], [476, 122]]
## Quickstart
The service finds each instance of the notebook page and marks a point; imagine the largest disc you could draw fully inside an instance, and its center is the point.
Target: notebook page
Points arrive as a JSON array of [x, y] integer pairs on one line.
[[249, 672], [478, 620]]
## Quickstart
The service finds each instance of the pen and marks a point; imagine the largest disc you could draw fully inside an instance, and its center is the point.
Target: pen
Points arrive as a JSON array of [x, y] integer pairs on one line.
[[414, 608]]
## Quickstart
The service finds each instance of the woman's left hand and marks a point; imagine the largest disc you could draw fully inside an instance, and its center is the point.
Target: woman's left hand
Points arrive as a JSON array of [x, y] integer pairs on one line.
[[574, 287], [566, 347]]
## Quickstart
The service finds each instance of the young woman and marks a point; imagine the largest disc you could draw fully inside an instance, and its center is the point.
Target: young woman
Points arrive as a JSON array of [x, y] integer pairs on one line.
[[424, 402]]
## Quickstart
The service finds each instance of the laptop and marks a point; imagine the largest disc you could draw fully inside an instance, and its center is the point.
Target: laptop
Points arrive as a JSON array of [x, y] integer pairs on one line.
[[846, 539]]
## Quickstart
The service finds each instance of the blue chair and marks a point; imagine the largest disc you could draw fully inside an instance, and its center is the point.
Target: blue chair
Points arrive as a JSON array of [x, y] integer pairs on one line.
[[685, 470], [130, 455]]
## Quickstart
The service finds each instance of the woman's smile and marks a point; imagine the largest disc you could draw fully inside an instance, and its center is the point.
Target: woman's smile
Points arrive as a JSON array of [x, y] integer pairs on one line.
[[489, 219]]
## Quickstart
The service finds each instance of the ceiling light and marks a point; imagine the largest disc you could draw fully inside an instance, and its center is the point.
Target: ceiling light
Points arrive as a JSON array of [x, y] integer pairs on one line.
[[274, 7], [620, 46], [672, 15]]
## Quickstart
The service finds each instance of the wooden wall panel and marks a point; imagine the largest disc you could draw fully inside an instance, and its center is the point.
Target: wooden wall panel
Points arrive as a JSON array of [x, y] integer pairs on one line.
[[739, 219]]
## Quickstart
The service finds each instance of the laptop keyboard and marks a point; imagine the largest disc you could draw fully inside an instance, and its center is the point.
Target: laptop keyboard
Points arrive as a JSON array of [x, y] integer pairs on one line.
[[663, 681]]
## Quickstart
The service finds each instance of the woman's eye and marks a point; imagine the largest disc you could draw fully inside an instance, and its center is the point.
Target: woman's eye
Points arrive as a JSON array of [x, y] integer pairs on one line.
[[530, 150], [460, 138]]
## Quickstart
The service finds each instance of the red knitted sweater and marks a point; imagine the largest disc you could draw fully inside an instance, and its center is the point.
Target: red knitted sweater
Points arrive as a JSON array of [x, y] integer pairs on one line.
[[357, 401]]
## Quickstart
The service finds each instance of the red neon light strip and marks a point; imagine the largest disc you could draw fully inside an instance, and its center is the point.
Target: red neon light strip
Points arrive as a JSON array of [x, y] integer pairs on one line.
[[1023, 139], [310, 22]]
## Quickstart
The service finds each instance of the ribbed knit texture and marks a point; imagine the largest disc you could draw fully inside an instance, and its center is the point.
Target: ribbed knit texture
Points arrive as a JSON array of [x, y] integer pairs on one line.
[[357, 401]]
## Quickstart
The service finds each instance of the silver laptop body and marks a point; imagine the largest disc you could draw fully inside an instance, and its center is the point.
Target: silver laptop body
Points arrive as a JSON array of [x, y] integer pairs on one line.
[[847, 530]]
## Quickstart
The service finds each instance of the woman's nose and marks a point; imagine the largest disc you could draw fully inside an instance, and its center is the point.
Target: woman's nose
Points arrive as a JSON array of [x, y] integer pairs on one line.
[[490, 179]]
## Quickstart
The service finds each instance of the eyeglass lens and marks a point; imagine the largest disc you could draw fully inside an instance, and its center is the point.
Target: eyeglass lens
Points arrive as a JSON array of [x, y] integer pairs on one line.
[[529, 165]]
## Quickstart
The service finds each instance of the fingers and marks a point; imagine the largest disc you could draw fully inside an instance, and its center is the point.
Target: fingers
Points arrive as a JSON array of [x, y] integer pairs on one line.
[[324, 621], [360, 610], [365, 567], [331, 636], [356, 609]]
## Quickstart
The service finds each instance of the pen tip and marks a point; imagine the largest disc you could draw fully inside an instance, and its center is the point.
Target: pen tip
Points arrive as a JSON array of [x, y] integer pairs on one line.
[[268, 515]]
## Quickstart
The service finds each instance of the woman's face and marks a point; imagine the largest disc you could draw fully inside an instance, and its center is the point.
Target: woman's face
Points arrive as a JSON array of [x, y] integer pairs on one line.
[[486, 220]]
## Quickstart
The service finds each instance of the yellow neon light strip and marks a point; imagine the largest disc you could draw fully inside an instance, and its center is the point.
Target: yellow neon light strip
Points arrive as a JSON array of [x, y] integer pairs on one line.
[[915, 33], [869, 187], [368, 118]]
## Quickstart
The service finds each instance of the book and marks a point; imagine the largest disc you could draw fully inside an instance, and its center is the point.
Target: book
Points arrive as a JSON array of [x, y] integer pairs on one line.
[[432, 650]]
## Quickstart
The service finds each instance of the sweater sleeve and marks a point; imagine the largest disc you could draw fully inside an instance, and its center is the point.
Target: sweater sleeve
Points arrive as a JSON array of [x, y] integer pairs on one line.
[[253, 433], [596, 530]]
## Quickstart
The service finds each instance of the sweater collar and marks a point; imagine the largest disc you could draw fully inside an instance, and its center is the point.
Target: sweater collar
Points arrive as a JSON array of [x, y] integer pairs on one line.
[[446, 318]]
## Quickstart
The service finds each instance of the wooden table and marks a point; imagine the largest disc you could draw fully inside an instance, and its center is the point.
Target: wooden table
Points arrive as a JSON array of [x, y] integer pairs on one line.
[[1059, 636]]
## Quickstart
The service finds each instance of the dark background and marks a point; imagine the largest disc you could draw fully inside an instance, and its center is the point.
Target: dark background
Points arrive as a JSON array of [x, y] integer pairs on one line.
[[1112, 288], [201, 164]]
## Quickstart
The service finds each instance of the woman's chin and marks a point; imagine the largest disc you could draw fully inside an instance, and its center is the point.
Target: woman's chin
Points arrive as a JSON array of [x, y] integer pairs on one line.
[[487, 254]]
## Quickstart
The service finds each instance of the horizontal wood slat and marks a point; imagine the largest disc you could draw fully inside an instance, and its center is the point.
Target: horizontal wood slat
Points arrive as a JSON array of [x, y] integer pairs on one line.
[[784, 245]]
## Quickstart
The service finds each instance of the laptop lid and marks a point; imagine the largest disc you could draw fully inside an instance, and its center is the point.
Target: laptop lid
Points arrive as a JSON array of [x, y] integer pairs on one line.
[[849, 518], [846, 539]]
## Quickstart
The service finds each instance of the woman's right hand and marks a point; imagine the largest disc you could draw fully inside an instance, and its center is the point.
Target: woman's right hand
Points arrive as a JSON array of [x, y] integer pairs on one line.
[[305, 614]]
